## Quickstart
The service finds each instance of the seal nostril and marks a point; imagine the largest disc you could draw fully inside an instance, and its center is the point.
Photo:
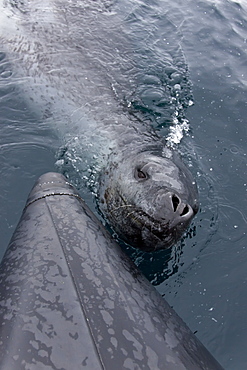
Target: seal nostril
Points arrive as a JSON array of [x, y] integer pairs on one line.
[[185, 211], [175, 202]]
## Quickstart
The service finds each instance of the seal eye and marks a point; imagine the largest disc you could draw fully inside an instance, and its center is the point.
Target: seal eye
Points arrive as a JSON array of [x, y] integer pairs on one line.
[[140, 175]]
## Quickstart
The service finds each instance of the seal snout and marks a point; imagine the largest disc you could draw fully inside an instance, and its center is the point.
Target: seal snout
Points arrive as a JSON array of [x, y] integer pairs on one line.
[[173, 209], [179, 207], [182, 211]]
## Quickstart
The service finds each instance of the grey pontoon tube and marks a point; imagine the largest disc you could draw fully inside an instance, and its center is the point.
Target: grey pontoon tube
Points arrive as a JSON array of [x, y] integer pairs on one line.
[[71, 299]]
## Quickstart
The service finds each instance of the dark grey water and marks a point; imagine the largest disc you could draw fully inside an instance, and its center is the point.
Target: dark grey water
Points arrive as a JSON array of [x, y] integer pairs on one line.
[[204, 277], [209, 291]]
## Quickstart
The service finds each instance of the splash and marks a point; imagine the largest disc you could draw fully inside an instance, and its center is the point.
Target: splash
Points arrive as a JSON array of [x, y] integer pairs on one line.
[[177, 131]]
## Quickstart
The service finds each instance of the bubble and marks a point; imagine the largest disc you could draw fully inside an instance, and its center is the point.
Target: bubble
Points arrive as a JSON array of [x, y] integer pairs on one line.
[[234, 150]]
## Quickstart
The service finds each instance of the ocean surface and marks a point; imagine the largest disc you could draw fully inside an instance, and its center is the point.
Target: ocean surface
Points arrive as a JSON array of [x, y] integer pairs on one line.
[[199, 50]]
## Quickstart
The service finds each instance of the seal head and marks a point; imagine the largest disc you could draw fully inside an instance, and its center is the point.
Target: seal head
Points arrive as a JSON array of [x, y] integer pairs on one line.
[[149, 199]]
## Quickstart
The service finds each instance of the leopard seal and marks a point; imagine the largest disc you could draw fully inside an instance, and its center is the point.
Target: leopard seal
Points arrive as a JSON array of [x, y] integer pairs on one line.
[[149, 197], [72, 62]]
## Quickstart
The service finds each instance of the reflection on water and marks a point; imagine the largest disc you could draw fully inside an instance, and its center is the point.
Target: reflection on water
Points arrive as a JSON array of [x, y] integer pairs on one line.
[[21, 164], [26, 151]]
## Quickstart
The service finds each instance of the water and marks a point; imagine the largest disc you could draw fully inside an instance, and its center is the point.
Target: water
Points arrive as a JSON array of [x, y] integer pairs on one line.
[[26, 151], [204, 276], [210, 292]]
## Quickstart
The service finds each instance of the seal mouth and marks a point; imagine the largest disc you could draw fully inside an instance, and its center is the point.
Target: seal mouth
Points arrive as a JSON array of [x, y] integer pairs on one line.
[[141, 229], [155, 234]]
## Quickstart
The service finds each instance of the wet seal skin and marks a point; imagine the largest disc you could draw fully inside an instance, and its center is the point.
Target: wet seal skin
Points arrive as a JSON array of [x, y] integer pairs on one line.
[[149, 198], [71, 64]]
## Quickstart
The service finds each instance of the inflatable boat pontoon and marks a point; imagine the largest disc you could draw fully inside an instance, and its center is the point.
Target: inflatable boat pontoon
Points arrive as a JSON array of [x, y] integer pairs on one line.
[[71, 299]]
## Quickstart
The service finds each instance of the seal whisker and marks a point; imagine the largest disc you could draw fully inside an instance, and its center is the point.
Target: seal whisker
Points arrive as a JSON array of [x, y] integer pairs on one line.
[[131, 214], [123, 206]]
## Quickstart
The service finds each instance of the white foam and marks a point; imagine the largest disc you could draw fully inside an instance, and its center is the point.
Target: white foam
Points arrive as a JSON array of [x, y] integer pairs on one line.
[[177, 131]]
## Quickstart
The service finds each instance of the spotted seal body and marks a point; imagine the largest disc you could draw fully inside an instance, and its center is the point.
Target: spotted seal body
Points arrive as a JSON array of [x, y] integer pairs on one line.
[[74, 63]]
